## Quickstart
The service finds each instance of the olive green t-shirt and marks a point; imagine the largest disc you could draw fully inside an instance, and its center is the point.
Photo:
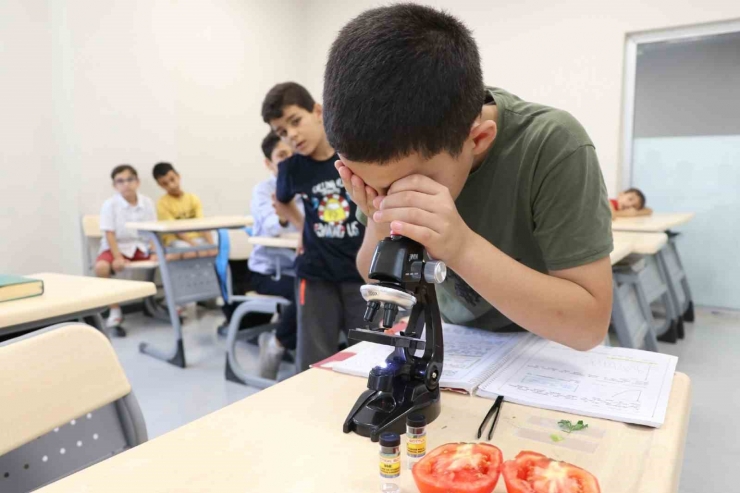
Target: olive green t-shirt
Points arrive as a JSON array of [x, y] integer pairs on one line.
[[538, 196]]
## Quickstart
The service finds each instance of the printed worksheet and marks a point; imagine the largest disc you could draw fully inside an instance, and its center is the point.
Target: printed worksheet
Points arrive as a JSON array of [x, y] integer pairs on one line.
[[470, 356], [621, 384]]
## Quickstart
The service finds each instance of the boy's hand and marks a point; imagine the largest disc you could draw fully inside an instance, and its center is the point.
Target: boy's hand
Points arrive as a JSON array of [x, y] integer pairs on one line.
[[361, 194], [299, 248], [421, 209], [118, 264]]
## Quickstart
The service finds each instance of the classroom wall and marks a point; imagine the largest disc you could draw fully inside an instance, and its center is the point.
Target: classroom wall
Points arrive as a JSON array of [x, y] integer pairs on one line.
[[28, 175], [93, 84], [565, 54]]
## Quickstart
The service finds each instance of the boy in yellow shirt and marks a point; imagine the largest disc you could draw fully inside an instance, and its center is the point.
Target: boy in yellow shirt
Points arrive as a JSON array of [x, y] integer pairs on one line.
[[177, 204]]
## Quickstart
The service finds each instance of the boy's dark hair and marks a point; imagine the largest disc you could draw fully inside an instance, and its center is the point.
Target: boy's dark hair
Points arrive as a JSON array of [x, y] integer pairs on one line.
[[639, 194], [161, 169], [401, 79], [285, 94], [269, 143], [121, 168]]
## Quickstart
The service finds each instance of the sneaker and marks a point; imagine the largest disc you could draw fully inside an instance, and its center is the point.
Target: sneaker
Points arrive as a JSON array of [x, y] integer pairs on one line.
[[270, 355], [119, 331], [114, 318]]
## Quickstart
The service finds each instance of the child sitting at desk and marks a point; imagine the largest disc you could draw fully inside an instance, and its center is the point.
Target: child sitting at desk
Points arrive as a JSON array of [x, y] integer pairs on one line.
[[119, 244], [176, 204], [629, 203], [329, 299], [271, 219]]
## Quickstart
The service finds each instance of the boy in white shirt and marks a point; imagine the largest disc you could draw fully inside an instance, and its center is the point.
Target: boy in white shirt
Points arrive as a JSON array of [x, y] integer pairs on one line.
[[119, 244]]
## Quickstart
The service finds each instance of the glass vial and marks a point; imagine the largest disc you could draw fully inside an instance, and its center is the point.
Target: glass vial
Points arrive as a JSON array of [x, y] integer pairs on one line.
[[390, 463], [416, 438]]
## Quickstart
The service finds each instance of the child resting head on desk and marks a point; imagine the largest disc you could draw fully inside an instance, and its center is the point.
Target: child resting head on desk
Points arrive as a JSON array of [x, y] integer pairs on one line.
[[120, 245], [629, 203], [508, 193], [329, 299], [176, 204], [273, 218]]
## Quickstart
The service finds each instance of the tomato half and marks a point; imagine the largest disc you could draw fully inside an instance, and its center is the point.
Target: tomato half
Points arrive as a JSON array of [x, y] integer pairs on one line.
[[531, 472], [459, 468]]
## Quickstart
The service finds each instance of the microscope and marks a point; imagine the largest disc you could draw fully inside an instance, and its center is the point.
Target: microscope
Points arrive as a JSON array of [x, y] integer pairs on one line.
[[406, 383]]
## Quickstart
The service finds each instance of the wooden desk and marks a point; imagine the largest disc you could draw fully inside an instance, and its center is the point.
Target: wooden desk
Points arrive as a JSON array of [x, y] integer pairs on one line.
[[186, 280], [622, 248], [288, 240], [642, 243], [288, 438], [68, 298], [186, 225], [656, 222]]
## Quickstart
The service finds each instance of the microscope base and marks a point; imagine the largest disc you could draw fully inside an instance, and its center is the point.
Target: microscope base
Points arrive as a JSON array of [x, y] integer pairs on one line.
[[376, 412]]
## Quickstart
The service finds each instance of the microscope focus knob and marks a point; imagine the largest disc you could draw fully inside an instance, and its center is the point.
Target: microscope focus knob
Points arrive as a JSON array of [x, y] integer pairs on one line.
[[435, 271]]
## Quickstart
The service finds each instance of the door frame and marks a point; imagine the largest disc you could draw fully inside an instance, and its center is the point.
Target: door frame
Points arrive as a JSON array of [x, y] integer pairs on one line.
[[631, 46]]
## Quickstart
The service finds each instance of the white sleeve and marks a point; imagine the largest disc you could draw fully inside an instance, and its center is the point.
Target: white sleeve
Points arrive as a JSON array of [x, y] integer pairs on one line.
[[107, 217]]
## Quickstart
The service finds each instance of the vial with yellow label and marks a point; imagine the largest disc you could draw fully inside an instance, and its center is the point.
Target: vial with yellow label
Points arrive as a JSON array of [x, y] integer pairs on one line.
[[416, 438], [390, 463]]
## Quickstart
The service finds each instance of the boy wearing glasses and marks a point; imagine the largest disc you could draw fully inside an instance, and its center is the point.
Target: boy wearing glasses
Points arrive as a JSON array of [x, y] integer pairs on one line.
[[120, 245]]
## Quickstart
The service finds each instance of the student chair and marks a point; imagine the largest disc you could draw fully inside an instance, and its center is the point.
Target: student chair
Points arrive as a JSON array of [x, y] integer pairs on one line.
[[233, 245], [66, 404], [145, 269]]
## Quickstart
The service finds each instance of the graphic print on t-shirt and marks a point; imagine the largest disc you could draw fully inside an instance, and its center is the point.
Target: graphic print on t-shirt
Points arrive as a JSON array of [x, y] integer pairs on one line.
[[333, 210]]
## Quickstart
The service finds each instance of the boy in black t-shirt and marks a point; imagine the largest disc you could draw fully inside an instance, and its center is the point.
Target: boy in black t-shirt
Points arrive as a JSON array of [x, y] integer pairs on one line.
[[328, 284]]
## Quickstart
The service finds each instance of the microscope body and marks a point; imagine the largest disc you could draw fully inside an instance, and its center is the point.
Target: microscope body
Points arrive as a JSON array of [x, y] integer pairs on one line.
[[408, 383]]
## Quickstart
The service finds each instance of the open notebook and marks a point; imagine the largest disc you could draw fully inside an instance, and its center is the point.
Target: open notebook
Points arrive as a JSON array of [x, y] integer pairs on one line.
[[620, 384], [614, 383]]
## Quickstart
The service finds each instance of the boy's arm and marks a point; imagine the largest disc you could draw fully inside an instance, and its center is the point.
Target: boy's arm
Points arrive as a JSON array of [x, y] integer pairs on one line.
[[288, 213], [108, 226], [113, 244], [572, 303], [569, 306], [164, 214], [632, 212], [284, 190]]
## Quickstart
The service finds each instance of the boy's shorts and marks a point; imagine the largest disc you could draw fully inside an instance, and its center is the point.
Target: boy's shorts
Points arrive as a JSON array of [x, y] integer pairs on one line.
[[107, 256], [178, 243]]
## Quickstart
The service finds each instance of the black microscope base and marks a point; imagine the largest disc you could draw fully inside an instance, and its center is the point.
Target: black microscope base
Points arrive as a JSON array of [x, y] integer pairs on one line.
[[370, 421]]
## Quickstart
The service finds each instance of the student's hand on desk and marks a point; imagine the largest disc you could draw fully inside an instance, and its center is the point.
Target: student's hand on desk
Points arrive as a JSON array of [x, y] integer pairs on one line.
[[361, 194], [421, 209]]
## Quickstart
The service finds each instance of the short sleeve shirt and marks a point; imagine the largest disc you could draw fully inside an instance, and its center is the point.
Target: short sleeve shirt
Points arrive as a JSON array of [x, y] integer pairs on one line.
[[186, 206], [114, 215]]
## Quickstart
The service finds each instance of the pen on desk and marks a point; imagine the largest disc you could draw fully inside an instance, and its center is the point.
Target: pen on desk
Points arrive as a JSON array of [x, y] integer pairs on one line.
[[495, 408]]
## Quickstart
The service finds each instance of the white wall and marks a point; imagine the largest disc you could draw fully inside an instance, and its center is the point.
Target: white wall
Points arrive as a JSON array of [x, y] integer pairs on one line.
[[88, 85], [93, 84], [28, 178], [566, 54]]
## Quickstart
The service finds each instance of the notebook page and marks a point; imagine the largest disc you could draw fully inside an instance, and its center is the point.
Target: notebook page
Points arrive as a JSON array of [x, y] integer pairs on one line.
[[470, 354], [620, 384]]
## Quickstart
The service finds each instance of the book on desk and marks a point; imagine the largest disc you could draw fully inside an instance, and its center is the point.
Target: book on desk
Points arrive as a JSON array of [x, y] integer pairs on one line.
[[619, 384], [17, 287]]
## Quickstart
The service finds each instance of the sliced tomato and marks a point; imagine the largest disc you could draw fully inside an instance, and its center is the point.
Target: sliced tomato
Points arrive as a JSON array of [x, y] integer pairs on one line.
[[531, 472], [459, 468]]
